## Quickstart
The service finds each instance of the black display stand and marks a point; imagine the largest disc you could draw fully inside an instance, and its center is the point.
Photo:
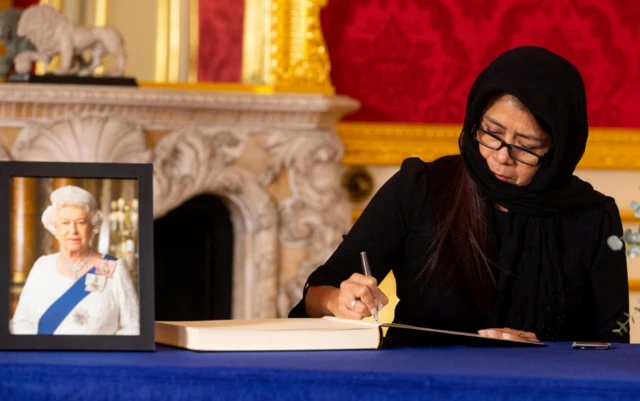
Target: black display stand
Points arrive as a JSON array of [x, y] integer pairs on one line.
[[72, 80]]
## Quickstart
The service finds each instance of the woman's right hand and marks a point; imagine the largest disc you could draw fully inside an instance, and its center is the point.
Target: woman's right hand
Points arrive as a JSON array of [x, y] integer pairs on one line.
[[358, 297]]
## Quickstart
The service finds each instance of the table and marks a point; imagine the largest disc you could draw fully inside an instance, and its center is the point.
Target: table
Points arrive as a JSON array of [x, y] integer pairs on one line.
[[555, 372]]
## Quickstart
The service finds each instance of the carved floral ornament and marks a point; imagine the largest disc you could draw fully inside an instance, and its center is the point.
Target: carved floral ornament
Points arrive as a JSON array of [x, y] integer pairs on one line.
[[193, 161], [317, 213]]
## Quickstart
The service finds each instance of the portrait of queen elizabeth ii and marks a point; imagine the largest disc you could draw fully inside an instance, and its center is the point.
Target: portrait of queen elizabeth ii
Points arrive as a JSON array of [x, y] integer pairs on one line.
[[76, 291]]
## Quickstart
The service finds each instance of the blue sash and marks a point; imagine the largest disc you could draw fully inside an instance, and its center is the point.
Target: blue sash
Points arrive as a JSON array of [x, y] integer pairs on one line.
[[62, 306]]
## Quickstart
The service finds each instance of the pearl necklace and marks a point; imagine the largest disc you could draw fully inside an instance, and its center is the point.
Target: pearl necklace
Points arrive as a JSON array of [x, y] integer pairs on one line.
[[75, 267]]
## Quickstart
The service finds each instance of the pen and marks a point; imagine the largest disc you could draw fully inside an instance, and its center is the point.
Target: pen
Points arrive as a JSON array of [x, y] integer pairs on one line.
[[367, 272]]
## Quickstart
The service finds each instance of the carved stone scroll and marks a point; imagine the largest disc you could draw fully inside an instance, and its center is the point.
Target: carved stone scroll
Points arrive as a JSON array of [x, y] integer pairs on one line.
[[317, 213]]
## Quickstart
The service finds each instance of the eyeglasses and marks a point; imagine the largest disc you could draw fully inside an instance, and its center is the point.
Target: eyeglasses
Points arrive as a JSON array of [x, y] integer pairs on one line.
[[491, 141]]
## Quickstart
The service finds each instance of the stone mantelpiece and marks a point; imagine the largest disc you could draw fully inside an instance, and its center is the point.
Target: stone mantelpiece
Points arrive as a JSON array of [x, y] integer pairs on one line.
[[274, 160], [164, 108]]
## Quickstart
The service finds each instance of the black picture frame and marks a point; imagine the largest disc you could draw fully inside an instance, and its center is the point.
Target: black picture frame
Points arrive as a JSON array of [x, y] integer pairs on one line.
[[143, 174]]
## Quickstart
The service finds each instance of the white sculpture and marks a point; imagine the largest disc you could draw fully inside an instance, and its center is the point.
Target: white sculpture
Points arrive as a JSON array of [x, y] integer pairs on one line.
[[52, 33]]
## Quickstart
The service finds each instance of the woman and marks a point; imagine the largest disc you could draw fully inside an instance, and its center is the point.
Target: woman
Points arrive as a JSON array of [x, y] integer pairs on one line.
[[76, 291], [503, 239]]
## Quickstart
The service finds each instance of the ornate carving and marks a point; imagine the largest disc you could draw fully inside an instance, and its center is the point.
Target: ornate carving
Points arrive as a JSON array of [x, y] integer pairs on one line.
[[88, 138], [172, 108], [297, 53], [64, 123], [317, 213], [191, 162], [178, 98]]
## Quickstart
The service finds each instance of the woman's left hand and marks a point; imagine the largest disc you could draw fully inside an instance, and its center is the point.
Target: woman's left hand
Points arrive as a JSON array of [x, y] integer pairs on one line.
[[509, 334]]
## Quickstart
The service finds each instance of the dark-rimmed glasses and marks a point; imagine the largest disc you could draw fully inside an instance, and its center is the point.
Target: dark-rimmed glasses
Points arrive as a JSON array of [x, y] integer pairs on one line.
[[491, 141]]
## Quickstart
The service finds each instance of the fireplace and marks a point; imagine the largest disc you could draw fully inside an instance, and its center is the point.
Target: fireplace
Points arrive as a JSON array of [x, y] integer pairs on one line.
[[272, 160], [193, 251]]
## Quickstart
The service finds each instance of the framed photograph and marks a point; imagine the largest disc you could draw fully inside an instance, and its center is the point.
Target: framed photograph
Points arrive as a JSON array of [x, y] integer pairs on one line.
[[76, 256]]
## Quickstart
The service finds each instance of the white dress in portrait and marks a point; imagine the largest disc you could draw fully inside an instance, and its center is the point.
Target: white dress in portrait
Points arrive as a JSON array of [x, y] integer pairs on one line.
[[112, 311]]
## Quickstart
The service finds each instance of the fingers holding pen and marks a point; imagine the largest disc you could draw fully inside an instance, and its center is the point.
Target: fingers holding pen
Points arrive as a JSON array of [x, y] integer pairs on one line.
[[350, 307], [379, 298], [360, 294]]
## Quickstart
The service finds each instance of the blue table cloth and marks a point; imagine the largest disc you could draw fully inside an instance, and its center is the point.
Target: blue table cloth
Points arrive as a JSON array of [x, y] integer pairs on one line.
[[556, 372]]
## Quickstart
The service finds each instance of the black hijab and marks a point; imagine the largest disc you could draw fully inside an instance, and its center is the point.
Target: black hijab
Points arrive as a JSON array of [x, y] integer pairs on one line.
[[530, 292]]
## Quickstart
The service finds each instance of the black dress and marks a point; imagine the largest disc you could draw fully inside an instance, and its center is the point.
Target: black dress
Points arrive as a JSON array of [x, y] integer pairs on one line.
[[397, 225]]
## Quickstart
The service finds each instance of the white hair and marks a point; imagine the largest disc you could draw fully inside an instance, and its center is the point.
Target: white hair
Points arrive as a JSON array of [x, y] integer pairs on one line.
[[72, 196]]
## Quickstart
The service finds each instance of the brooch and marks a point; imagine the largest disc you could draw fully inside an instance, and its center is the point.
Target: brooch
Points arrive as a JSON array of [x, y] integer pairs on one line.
[[105, 268], [80, 316], [94, 282]]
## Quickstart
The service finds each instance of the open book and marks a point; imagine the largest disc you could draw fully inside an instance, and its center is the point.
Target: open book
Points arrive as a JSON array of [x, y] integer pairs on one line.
[[328, 333]]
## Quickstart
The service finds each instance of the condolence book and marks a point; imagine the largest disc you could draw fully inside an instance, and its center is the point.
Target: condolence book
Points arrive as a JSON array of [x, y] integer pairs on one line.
[[328, 333]]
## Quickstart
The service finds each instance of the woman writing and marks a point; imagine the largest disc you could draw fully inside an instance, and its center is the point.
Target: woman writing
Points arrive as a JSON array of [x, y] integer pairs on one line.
[[503, 239], [78, 290]]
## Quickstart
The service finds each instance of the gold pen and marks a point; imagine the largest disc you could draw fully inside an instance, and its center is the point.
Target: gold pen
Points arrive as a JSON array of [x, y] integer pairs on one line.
[[366, 270]]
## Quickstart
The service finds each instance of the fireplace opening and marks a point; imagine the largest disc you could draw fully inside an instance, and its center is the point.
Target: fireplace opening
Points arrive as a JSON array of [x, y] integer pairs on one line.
[[193, 257]]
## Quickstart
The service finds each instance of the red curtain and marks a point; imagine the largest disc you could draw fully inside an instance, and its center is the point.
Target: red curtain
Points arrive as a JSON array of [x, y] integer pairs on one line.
[[24, 3], [415, 60], [220, 43]]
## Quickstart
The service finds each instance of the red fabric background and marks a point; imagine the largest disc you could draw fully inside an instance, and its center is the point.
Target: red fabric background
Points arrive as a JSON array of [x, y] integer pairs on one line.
[[220, 45], [415, 60], [24, 3]]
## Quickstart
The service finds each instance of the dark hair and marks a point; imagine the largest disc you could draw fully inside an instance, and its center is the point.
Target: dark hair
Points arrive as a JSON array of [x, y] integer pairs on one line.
[[462, 240]]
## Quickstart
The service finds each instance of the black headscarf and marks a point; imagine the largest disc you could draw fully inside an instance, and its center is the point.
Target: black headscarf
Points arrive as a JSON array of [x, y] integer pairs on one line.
[[530, 292]]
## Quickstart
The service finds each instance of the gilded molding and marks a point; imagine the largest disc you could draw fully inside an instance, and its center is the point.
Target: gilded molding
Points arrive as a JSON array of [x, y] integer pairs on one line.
[[194, 41], [169, 27], [254, 41], [627, 216], [209, 86], [388, 144], [297, 59]]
